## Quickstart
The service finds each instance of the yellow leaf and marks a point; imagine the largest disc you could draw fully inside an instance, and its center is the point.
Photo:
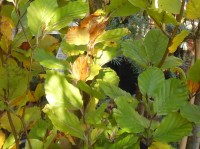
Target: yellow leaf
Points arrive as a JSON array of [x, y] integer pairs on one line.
[[192, 9], [159, 145], [39, 91], [2, 138], [6, 27], [178, 40]]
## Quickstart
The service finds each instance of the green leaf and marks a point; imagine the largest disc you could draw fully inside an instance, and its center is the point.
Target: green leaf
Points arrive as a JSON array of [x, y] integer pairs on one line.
[[161, 16], [119, 8], [178, 40], [94, 71], [192, 9], [14, 80], [5, 124], [9, 142], [155, 43], [150, 80], [50, 138], [108, 75], [59, 92], [95, 117], [113, 91], [84, 87], [39, 130], [64, 15], [125, 142], [128, 119], [172, 128], [191, 113], [112, 34], [135, 50], [64, 120], [172, 62], [139, 3], [32, 114], [48, 60], [39, 14], [35, 143], [173, 94], [173, 6], [194, 72]]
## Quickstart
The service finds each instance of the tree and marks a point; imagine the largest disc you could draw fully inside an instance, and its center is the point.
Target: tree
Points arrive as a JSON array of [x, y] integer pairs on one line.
[[75, 102]]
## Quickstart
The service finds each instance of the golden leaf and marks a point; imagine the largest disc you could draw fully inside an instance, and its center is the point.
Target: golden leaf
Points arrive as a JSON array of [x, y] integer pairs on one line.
[[6, 25], [80, 68], [2, 138], [159, 145]]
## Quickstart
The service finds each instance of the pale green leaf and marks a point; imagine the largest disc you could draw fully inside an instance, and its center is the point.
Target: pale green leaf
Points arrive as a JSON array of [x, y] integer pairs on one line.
[[150, 80], [136, 51], [112, 34], [128, 119], [64, 15], [59, 92], [173, 94], [119, 8], [39, 14], [161, 16], [94, 71], [178, 40], [9, 142], [155, 43], [173, 6], [191, 113], [194, 72], [65, 120], [48, 60], [172, 128], [192, 9], [32, 115], [172, 62]]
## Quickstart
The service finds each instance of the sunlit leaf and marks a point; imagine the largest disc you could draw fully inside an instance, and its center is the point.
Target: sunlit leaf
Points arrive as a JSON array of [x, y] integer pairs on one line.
[[42, 11], [64, 15], [150, 80], [178, 40], [48, 60], [192, 9], [59, 92], [191, 112], [172, 128], [161, 16], [194, 72], [160, 145], [173, 6], [119, 8], [155, 43], [136, 51], [112, 35], [172, 94], [94, 71], [128, 119], [65, 121], [78, 36], [80, 68]]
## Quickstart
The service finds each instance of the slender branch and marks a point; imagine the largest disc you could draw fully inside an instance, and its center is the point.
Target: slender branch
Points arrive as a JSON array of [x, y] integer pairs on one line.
[[179, 17], [13, 129]]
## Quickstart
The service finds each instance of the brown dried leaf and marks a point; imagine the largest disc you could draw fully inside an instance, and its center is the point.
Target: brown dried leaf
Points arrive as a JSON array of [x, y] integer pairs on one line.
[[193, 86]]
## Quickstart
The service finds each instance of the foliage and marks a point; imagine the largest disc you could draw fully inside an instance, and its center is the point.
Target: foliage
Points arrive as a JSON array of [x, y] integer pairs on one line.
[[76, 102]]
